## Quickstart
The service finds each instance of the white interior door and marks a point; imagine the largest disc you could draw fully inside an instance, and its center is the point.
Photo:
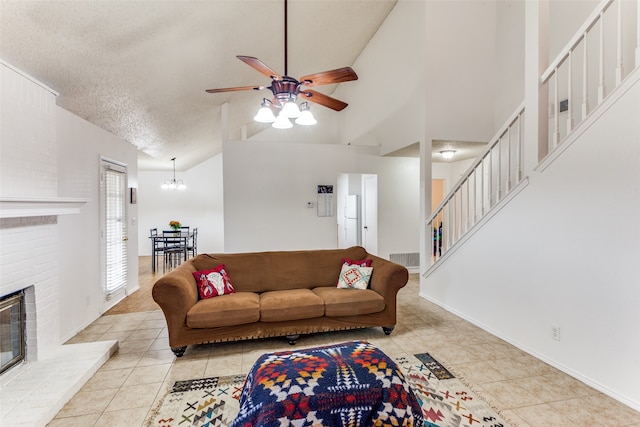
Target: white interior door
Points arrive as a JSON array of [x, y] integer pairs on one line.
[[114, 237], [370, 213]]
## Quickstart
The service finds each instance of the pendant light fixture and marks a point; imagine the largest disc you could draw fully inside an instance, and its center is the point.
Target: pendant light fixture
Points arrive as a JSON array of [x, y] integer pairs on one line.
[[173, 183]]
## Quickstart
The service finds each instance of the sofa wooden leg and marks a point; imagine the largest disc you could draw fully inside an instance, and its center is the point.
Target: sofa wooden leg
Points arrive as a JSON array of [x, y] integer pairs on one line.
[[178, 351], [293, 338], [388, 329]]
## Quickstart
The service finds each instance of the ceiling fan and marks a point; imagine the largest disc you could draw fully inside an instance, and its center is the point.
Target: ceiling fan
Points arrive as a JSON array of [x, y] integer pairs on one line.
[[287, 89]]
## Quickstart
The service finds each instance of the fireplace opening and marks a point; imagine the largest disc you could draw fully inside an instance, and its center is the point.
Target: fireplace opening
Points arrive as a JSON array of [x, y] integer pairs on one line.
[[12, 320]]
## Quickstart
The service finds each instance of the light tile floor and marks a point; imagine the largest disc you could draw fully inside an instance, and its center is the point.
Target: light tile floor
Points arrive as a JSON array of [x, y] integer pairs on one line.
[[526, 390]]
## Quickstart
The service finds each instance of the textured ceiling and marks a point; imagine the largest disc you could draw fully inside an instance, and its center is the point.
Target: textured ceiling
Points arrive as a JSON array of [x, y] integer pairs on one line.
[[139, 69]]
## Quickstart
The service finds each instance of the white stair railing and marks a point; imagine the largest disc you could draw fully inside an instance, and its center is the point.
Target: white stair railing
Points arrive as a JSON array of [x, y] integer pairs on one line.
[[488, 181], [596, 60]]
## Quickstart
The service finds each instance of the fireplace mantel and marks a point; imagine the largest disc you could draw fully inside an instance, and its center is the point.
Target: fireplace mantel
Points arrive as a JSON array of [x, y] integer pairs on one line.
[[19, 207]]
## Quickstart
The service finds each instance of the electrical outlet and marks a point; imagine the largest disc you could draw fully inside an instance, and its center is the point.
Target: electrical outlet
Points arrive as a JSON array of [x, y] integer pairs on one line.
[[555, 333]]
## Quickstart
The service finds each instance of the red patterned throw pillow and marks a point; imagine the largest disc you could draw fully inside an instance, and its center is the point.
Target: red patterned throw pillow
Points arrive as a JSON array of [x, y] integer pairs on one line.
[[354, 277], [361, 263], [214, 282]]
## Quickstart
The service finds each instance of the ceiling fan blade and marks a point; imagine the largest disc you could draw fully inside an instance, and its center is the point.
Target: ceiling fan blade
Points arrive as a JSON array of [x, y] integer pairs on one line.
[[260, 66], [339, 75], [235, 89], [322, 99]]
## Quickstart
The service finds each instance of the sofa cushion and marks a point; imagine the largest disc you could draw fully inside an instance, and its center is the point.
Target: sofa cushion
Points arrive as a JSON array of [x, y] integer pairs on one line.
[[347, 302], [225, 310], [354, 277], [293, 304], [214, 282]]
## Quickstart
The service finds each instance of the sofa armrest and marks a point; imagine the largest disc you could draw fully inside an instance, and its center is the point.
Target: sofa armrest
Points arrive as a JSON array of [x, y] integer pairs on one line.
[[176, 292], [387, 278]]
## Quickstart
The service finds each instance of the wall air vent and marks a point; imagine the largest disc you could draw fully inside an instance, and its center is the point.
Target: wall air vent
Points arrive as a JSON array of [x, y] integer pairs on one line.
[[408, 259]]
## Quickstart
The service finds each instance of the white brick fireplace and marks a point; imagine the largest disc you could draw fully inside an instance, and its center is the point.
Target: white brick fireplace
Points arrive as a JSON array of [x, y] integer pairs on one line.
[[29, 261], [32, 392], [52, 373]]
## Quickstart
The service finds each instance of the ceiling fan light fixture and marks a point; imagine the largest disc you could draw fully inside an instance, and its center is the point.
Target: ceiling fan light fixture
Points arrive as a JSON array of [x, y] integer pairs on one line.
[[264, 114], [447, 154], [286, 90], [306, 117], [291, 109], [282, 122]]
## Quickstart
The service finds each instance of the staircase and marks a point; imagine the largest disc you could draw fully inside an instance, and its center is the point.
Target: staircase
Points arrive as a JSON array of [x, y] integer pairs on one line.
[[546, 256], [575, 86]]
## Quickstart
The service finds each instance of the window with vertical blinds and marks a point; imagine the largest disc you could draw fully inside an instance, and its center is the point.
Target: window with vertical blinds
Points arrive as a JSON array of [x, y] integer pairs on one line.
[[114, 181]]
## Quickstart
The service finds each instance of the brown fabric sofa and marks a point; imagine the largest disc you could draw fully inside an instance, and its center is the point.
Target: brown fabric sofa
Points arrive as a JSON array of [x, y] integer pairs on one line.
[[284, 293]]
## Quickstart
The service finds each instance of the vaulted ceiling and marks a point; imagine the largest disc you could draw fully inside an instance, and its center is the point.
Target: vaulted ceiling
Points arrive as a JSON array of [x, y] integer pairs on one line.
[[139, 69]]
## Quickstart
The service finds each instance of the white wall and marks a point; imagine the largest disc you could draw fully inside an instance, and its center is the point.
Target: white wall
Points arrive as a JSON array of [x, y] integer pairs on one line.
[[564, 253], [386, 103], [509, 68], [268, 184], [398, 205], [460, 70], [80, 145], [200, 205]]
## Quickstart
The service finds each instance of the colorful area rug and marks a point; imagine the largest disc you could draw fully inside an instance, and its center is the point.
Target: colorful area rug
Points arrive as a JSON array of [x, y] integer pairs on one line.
[[444, 400]]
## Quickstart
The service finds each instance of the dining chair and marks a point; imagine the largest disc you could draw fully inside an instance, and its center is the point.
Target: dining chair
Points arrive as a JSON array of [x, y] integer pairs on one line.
[[192, 246], [158, 247], [174, 249]]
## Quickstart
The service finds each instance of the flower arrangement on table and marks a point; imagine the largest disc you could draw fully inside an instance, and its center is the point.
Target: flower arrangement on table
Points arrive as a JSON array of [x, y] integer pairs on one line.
[[175, 225]]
